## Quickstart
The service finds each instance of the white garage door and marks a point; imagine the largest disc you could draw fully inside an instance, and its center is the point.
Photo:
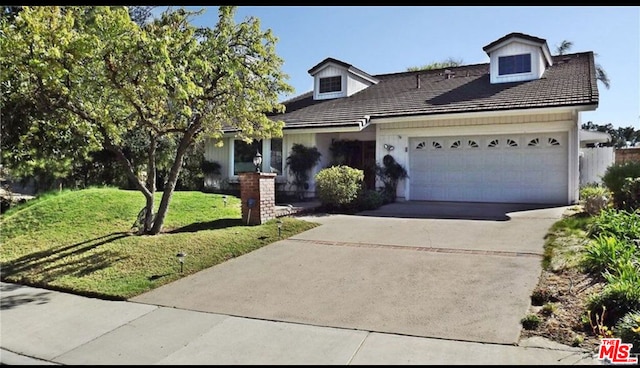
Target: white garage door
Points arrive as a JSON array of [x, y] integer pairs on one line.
[[526, 168]]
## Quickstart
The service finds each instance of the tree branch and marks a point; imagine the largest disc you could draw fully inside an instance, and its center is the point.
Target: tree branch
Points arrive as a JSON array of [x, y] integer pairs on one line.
[[185, 142], [108, 144], [112, 71]]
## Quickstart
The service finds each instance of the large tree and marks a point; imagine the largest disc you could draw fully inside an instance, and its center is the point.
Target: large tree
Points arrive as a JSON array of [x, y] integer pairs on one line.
[[110, 77], [32, 134]]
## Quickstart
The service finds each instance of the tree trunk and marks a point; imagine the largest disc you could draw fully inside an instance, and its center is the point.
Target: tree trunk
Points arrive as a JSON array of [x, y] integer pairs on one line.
[[122, 159], [151, 183], [169, 187], [128, 168]]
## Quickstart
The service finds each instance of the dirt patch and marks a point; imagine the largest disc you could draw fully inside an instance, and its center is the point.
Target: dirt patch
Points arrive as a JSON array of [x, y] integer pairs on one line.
[[569, 291]]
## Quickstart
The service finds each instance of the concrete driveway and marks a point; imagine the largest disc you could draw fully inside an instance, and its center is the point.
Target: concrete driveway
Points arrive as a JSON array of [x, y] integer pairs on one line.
[[467, 276]]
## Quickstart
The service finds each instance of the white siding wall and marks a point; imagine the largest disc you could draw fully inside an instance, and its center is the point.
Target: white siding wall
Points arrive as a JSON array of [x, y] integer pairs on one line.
[[594, 163], [574, 162], [306, 139], [541, 63], [516, 48], [219, 155], [356, 84], [323, 142], [398, 139], [329, 71]]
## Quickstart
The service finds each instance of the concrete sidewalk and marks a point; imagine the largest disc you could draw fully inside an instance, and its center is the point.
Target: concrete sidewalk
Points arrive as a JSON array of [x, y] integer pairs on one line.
[[40, 326]]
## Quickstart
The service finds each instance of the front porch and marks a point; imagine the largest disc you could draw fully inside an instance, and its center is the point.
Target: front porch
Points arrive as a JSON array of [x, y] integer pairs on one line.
[[298, 208]]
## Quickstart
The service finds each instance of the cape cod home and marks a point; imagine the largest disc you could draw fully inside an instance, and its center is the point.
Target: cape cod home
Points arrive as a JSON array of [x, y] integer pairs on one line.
[[503, 131]]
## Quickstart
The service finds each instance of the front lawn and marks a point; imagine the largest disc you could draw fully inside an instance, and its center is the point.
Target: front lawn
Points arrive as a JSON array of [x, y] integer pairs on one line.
[[82, 241]]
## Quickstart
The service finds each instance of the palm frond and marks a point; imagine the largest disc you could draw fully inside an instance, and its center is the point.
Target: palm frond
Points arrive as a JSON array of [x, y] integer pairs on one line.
[[602, 76], [564, 47]]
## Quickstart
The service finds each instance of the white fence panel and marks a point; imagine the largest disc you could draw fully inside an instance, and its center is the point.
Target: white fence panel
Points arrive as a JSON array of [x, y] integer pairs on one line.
[[594, 162]]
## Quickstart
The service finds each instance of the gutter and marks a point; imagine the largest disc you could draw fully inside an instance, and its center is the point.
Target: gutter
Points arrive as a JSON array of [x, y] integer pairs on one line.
[[406, 117]]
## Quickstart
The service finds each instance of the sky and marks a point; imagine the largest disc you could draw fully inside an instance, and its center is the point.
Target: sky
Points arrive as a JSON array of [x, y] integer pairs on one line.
[[389, 39]]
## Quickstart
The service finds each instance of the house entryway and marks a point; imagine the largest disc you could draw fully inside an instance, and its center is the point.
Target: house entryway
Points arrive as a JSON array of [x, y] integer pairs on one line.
[[359, 155]]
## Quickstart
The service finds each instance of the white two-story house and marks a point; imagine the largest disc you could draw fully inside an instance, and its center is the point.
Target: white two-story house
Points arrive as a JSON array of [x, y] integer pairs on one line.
[[504, 131]]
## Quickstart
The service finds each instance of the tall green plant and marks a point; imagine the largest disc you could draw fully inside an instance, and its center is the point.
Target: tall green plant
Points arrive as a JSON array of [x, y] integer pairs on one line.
[[628, 328], [606, 252], [390, 173], [615, 177], [594, 198], [619, 224], [631, 194], [300, 161]]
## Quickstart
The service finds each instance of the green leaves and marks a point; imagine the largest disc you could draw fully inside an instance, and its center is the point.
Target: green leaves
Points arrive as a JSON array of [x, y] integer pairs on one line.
[[97, 75], [338, 185]]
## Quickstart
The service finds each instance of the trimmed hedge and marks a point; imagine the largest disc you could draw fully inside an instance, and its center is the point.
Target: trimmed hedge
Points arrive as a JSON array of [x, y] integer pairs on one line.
[[338, 185]]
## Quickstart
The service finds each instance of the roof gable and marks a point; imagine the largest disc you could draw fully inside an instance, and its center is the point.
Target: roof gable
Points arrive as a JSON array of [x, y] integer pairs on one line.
[[495, 44], [522, 38], [350, 68]]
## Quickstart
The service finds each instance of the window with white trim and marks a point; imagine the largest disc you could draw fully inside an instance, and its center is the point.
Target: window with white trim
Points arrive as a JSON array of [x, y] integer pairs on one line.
[[243, 154], [514, 64], [271, 151], [331, 84], [276, 156]]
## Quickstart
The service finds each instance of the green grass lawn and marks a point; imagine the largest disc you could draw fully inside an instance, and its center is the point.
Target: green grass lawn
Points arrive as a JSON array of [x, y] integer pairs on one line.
[[565, 241], [82, 242]]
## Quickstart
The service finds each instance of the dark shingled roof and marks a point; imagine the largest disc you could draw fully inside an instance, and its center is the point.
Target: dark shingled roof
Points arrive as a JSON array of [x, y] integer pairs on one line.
[[571, 81]]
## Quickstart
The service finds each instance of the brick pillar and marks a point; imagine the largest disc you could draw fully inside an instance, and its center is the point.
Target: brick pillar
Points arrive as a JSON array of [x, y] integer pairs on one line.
[[259, 188]]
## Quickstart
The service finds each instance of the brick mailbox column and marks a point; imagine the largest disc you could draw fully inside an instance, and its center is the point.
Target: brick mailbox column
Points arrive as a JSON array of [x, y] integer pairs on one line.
[[258, 196]]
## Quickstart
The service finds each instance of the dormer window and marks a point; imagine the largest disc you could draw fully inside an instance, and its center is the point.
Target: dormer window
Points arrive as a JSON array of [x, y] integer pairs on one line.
[[518, 57], [331, 84], [333, 78], [514, 64]]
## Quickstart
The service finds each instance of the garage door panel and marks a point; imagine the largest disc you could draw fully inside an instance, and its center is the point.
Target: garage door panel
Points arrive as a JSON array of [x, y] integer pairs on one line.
[[527, 168]]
